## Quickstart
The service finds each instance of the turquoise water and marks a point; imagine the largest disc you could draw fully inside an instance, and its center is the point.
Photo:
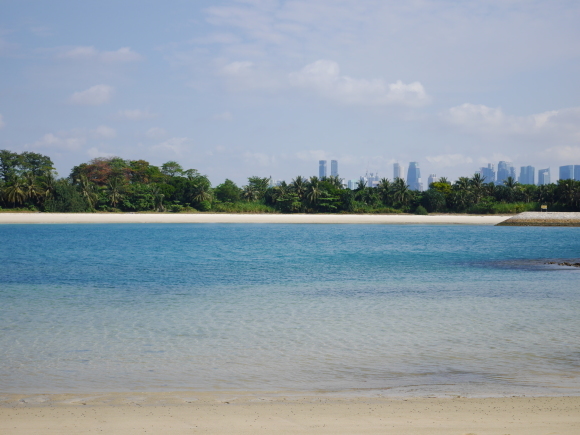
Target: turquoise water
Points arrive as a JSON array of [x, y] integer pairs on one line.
[[399, 310]]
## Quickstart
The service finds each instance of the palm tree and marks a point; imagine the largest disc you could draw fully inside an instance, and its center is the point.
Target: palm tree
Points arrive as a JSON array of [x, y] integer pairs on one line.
[[157, 198], [462, 183], [511, 185], [30, 187], [202, 192], [400, 192], [115, 191], [384, 190], [88, 191], [444, 180], [313, 190], [47, 186], [568, 192], [477, 186], [15, 192], [249, 194], [360, 185], [298, 185], [334, 181]]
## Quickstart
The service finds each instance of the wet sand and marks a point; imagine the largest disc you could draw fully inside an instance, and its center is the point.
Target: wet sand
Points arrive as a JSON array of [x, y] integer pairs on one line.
[[238, 413]]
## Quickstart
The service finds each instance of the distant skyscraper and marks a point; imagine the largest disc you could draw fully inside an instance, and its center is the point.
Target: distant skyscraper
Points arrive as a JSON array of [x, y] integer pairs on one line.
[[543, 177], [397, 171], [527, 175], [334, 168], [505, 170], [567, 172], [432, 179], [577, 172], [414, 177], [322, 169], [488, 173]]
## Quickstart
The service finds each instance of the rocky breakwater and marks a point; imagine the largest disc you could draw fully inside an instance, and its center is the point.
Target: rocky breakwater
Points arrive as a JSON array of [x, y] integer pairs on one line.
[[544, 219]]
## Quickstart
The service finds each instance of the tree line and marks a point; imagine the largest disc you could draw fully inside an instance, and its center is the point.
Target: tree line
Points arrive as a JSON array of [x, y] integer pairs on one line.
[[28, 181]]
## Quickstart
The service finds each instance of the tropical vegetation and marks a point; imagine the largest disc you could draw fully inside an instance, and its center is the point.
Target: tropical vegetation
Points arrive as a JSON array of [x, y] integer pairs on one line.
[[28, 181]]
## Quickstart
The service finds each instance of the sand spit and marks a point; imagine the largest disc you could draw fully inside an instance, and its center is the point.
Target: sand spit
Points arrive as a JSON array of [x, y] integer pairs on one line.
[[543, 219], [166, 218], [221, 413]]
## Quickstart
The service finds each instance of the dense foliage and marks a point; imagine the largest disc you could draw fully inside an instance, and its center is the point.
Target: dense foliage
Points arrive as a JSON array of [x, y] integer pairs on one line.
[[27, 181]]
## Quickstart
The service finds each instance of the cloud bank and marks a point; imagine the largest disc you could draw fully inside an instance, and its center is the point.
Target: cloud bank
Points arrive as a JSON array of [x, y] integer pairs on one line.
[[323, 77], [94, 96], [124, 54]]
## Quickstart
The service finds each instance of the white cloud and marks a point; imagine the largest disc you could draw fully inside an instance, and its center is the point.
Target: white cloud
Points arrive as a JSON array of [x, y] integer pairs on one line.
[[259, 159], [217, 38], [312, 155], [61, 141], [94, 152], [104, 132], [155, 133], [449, 160], [176, 145], [569, 154], [136, 114], [94, 96], [323, 76], [562, 123], [124, 54], [245, 75], [2, 124]]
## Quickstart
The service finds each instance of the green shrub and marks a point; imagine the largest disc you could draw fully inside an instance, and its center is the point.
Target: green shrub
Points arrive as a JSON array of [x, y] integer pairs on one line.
[[204, 206], [421, 211], [243, 207]]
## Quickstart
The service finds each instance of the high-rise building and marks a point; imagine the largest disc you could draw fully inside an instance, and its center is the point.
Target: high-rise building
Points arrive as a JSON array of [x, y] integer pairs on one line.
[[432, 179], [505, 170], [527, 175], [397, 172], [577, 172], [543, 177], [414, 177], [567, 172], [322, 169], [488, 173], [334, 168]]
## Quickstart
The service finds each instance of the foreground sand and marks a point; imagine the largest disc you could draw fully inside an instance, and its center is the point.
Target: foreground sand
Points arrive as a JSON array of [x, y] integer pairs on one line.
[[190, 413], [87, 218]]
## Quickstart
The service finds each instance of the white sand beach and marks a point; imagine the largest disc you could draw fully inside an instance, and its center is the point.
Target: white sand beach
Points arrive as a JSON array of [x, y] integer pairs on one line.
[[238, 413], [116, 218]]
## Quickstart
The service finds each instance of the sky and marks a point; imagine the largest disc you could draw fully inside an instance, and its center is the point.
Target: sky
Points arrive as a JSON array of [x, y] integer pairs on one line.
[[240, 88]]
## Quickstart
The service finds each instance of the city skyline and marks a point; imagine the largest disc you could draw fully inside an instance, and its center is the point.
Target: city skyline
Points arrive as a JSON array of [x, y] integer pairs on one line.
[[527, 174]]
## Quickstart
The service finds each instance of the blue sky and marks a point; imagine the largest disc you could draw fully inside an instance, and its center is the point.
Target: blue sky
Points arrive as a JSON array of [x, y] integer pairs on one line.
[[265, 87]]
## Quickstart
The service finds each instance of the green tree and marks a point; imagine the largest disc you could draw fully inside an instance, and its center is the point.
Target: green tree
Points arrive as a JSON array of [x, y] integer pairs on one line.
[[228, 191], [400, 192], [15, 192], [66, 199], [115, 191], [171, 169]]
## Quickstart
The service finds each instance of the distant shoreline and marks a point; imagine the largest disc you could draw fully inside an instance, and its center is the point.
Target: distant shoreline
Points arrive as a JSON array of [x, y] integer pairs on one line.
[[167, 218]]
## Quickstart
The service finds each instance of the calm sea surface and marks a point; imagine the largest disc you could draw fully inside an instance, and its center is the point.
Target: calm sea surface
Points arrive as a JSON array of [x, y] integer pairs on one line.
[[469, 310]]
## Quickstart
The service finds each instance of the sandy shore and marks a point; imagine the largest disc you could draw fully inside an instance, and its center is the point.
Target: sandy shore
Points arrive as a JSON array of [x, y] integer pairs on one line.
[[94, 218], [211, 413], [544, 219]]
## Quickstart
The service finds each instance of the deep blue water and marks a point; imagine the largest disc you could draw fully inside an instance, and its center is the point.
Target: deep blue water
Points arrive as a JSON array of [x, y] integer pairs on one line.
[[398, 309]]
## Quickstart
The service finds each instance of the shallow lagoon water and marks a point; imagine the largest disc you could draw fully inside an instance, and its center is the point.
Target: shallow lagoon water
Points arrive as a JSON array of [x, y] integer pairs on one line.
[[394, 309]]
